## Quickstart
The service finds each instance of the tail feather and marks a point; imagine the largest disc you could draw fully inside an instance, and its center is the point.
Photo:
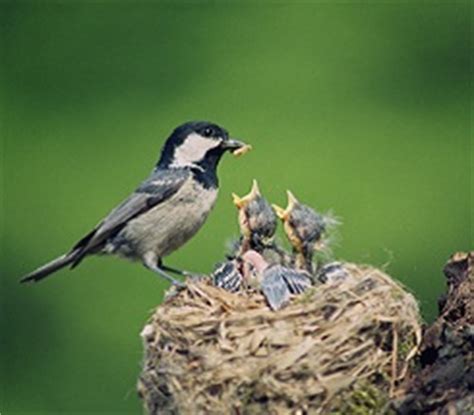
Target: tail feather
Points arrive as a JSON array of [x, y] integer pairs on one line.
[[50, 267]]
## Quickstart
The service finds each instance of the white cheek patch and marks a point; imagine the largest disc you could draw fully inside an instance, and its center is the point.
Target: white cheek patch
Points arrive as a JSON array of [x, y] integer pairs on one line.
[[193, 150]]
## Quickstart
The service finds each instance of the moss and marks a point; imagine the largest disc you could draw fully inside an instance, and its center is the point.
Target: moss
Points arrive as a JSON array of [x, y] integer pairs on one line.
[[364, 399], [405, 347], [397, 294]]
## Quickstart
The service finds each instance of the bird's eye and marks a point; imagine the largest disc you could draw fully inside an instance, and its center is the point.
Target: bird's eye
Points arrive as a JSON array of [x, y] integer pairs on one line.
[[208, 132]]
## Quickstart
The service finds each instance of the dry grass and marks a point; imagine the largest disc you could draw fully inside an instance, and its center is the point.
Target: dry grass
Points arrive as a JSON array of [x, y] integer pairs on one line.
[[208, 351]]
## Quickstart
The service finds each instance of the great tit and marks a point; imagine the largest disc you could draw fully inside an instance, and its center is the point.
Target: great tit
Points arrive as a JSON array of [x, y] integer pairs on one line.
[[166, 210], [304, 228]]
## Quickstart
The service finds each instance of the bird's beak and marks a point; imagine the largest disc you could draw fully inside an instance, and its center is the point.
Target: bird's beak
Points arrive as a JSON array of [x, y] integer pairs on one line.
[[240, 202], [292, 201], [236, 147], [237, 201], [255, 191], [281, 213]]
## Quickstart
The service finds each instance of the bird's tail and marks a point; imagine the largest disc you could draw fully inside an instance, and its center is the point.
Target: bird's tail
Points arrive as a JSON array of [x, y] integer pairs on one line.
[[50, 267]]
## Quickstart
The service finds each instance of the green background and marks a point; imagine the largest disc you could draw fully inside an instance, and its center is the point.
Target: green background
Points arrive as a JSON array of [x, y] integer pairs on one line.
[[362, 108]]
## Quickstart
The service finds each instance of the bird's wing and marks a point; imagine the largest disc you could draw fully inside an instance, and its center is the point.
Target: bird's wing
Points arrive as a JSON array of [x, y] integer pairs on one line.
[[228, 277], [274, 288], [297, 282], [159, 187]]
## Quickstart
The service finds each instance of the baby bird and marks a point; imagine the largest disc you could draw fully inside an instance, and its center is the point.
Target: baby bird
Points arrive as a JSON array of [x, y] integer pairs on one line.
[[304, 228], [257, 220], [228, 276], [275, 281], [332, 272]]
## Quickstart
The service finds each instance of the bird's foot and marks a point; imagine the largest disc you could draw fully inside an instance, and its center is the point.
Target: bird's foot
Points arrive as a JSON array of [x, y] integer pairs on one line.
[[157, 269], [187, 274], [174, 282], [178, 284], [196, 277], [174, 270]]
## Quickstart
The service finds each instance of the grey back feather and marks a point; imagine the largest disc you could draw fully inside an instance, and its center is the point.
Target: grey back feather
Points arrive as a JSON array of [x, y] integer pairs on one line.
[[160, 186]]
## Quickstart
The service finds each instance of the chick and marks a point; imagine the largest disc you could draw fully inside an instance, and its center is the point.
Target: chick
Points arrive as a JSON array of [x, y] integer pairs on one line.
[[228, 276], [332, 272], [276, 282], [257, 221], [304, 228]]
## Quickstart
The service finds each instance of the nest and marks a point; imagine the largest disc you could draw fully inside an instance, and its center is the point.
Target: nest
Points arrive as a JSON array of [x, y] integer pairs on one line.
[[337, 348]]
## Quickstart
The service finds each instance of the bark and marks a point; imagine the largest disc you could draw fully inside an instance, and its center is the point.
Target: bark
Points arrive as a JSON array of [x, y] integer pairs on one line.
[[443, 380]]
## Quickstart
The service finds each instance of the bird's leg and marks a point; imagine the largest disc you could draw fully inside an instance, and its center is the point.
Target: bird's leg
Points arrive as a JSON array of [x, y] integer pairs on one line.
[[167, 277], [179, 272], [172, 270], [154, 264]]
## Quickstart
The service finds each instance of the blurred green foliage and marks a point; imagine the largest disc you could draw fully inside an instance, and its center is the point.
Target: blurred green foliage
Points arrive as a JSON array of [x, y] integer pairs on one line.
[[361, 108]]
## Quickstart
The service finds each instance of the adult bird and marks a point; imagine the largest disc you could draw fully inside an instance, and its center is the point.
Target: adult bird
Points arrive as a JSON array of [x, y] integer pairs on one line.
[[166, 210]]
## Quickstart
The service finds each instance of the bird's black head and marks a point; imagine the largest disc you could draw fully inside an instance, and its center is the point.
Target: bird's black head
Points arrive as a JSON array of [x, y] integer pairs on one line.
[[197, 145]]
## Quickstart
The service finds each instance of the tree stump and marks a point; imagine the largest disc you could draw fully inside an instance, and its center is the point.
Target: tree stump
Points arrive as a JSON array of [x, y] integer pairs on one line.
[[442, 382]]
